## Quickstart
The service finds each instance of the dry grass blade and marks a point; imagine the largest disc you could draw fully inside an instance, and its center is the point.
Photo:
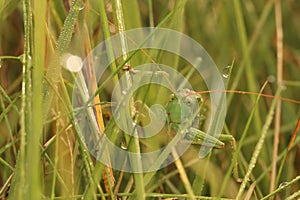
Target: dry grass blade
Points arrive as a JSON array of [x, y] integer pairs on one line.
[[279, 44], [250, 191]]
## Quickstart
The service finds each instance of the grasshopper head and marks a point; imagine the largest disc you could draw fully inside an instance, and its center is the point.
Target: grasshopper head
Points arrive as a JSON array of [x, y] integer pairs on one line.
[[182, 106]]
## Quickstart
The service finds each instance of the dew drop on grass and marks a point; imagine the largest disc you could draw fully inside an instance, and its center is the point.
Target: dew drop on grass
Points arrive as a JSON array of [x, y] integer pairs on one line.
[[0, 63], [124, 146], [283, 184], [82, 6], [271, 78], [23, 59], [124, 92], [226, 71]]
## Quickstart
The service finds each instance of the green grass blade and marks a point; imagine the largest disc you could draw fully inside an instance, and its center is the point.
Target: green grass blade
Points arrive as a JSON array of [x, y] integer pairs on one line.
[[246, 53], [259, 146], [18, 187], [54, 69], [241, 141]]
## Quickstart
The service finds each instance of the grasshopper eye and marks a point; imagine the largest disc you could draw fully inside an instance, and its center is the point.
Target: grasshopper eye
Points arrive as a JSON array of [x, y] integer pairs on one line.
[[172, 97], [198, 96], [189, 100]]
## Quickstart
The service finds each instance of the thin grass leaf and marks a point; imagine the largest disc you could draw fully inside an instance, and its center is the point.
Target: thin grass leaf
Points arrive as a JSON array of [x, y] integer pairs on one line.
[[252, 84], [287, 184], [259, 145], [241, 141], [18, 187], [54, 70], [183, 176]]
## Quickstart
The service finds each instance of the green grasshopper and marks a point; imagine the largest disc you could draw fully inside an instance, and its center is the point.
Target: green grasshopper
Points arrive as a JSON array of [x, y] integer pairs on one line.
[[182, 114], [182, 110]]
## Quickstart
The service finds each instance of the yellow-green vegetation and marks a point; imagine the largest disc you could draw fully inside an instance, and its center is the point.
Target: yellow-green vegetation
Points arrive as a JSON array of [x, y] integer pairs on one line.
[[255, 44]]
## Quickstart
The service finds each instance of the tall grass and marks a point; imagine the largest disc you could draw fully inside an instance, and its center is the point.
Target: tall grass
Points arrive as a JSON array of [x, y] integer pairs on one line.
[[42, 155]]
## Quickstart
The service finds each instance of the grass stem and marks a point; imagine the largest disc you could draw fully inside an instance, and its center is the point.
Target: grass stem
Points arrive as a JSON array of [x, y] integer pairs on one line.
[[279, 44], [258, 146]]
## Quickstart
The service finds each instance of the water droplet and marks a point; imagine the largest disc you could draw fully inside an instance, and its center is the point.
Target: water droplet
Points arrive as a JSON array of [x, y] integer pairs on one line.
[[271, 78], [226, 71], [133, 124], [23, 58], [124, 146], [124, 92], [0, 63], [81, 7], [283, 184]]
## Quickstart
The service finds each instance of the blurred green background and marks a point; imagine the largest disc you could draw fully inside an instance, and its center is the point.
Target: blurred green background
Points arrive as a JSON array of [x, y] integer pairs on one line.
[[41, 155]]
